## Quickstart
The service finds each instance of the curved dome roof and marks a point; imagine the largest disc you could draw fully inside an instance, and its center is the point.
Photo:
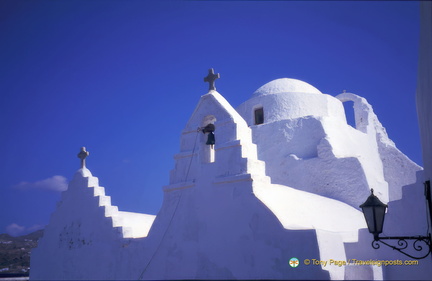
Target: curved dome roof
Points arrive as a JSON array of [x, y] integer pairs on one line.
[[285, 85]]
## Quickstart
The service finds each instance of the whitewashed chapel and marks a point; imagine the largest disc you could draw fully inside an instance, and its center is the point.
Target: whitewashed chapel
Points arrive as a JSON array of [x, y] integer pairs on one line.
[[269, 190]]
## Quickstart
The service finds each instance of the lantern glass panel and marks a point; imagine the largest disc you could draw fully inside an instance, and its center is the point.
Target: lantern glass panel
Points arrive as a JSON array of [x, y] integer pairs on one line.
[[370, 219], [379, 218]]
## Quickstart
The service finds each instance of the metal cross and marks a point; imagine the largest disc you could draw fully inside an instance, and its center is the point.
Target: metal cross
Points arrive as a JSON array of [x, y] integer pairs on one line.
[[211, 78], [83, 155]]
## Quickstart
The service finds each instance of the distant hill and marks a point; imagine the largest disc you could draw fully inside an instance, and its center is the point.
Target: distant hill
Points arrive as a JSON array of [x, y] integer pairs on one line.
[[15, 253]]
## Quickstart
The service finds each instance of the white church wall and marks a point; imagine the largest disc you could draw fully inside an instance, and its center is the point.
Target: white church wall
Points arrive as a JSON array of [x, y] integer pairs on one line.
[[241, 209], [297, 146], [224, 232], [364, 155], [345, 143], [399, 222], [85, 234], [221, 198], [406, 209], [399, 170], [309, 132], [225, 120], [335, 222], [263, 189], [138, 225], [299, 214], [362, 251]]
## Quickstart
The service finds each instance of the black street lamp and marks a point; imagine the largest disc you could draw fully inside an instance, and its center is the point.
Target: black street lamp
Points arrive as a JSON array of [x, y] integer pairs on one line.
[[374, 212]]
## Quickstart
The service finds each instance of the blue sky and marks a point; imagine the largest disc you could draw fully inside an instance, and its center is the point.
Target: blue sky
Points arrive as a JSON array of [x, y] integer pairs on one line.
[[122, 78]]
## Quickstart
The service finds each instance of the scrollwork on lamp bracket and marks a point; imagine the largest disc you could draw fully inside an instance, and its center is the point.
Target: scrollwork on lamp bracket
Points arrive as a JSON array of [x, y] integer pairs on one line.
[[420, 244], [374, 211]]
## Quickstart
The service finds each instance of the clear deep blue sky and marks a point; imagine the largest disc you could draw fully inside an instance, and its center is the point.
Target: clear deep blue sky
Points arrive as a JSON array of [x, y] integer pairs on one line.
[[123, 77]]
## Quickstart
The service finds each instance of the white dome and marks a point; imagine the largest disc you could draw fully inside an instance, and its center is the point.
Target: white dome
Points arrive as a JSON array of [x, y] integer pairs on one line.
[[285, 85], [286, 98]]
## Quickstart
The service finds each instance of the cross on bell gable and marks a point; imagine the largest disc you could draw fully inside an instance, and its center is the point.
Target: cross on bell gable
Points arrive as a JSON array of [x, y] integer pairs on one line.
[[83, 155], [211, 78]]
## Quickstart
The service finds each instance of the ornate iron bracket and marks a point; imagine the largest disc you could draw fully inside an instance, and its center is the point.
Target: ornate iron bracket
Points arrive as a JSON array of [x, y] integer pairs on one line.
[[421, 244]]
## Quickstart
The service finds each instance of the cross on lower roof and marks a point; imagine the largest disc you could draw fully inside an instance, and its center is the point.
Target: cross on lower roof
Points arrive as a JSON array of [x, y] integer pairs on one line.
[[83, 155], [211, 78]]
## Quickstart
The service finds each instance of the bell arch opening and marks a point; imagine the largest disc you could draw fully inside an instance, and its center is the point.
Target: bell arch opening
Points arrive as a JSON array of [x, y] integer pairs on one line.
[[209, 119], [207, 151], [350, 113]]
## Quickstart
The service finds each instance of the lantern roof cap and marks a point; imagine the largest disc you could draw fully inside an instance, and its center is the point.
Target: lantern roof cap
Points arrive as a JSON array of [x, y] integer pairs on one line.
[[372, 201]]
